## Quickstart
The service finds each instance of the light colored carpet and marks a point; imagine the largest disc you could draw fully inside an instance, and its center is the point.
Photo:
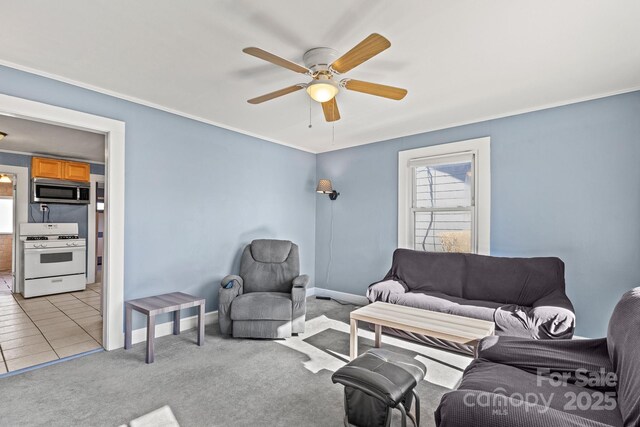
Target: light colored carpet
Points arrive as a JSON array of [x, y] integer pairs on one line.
[[162, 417], [227, 382]]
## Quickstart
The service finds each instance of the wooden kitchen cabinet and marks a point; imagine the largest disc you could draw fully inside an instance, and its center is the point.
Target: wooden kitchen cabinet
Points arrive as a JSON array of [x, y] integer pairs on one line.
[[76, 171], [42, 167], [47, 168]]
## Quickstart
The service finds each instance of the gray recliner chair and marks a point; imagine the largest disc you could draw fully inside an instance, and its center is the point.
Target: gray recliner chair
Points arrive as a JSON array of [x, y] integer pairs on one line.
[[267, 299]]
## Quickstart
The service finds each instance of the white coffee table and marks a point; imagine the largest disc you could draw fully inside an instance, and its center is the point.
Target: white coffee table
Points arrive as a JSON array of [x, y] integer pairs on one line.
[[458, 329]]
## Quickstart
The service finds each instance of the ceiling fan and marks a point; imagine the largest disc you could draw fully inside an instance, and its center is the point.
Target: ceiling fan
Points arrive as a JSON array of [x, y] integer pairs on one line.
[[323, 65]]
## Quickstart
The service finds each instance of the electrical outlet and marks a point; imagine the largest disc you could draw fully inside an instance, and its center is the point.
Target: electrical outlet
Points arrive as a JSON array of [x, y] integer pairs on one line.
[[44, 207]]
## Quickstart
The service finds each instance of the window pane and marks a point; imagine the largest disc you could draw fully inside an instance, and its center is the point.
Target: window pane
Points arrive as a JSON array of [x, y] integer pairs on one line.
[[442, 231], [6, 215], [443, 185]]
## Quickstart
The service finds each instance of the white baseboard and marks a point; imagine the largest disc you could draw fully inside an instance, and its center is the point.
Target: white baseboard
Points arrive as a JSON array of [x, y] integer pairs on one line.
[[186, 323], [163, 329], [340, 296]]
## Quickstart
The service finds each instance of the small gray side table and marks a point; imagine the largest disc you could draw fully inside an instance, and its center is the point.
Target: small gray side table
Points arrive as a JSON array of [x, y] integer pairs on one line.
[[152, 306]]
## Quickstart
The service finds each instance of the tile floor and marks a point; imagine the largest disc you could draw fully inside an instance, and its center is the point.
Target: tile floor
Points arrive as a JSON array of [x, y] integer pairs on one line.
[[42, 329], [5, 282]]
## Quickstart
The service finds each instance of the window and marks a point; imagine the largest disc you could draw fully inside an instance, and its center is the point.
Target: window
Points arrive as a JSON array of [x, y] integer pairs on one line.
[[442, 203], [6, 215], [443, 197]]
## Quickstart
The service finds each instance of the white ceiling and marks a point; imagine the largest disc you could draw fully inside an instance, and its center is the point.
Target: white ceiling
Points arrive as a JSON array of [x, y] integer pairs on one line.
[[27, 136], [462, 61]]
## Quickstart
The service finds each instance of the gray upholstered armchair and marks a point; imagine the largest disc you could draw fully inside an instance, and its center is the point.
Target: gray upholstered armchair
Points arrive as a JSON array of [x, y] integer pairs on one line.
[[498, 386], [267, 299]]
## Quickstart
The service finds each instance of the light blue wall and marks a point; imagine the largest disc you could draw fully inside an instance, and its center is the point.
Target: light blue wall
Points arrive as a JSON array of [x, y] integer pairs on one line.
[[565, 182], [195, 193]]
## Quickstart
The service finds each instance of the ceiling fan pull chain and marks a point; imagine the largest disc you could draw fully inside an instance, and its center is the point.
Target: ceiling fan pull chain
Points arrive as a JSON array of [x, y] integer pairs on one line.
[[333, 133]]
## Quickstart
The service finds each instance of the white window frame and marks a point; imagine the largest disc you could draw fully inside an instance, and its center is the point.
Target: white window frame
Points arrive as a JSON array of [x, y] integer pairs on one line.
[[481, 149]]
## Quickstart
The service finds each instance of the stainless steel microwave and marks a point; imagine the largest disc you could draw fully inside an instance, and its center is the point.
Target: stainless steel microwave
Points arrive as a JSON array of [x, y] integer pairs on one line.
[[58, 191]]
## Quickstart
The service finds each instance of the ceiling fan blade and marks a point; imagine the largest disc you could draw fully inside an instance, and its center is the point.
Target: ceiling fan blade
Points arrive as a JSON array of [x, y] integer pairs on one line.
[[375, 89], [276, 94], [270, 57], [330, 109], [363, 51]]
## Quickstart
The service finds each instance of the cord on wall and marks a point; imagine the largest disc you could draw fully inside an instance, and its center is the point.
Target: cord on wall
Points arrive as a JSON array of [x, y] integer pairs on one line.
[[330, 248], [44, 208], [329, 263]]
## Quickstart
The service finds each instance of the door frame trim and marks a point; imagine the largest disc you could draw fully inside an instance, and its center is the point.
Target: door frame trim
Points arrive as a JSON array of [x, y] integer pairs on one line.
[[114, 132], [92, 253], [21, 211]]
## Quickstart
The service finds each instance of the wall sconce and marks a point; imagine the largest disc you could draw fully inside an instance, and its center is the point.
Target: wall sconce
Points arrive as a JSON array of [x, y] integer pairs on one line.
[[325, 187]]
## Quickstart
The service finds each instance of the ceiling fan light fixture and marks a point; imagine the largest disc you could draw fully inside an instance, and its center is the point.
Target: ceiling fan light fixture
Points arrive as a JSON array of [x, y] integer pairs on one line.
[[322, 90]]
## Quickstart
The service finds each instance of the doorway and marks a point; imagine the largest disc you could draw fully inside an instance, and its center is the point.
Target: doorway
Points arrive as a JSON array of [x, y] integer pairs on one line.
[[48, 310], [99, 229], [114, 135], [7, 230], [96, 238]]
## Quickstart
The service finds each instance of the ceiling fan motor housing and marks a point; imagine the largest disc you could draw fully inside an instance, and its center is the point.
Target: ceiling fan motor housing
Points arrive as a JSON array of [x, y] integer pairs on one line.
[[319, 58]]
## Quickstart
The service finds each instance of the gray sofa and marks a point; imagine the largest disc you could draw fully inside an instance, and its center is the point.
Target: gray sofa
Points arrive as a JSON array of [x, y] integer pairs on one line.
[[268, 298], [525, 297], [601, 385]]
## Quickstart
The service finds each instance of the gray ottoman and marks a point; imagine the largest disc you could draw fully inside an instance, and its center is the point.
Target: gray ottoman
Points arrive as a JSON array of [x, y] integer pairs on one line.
[[375, 383]]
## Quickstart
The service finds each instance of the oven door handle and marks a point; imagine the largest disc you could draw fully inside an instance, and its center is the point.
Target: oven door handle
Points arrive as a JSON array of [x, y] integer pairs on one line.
[[61, 249]]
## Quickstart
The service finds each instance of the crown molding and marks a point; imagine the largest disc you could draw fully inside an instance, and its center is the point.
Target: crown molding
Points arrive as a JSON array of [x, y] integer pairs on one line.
[[497, 116], [264, 138], [145, 103]]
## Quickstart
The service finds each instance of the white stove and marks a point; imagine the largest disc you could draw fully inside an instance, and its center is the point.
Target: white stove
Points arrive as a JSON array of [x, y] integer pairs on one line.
[[53, 259]]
